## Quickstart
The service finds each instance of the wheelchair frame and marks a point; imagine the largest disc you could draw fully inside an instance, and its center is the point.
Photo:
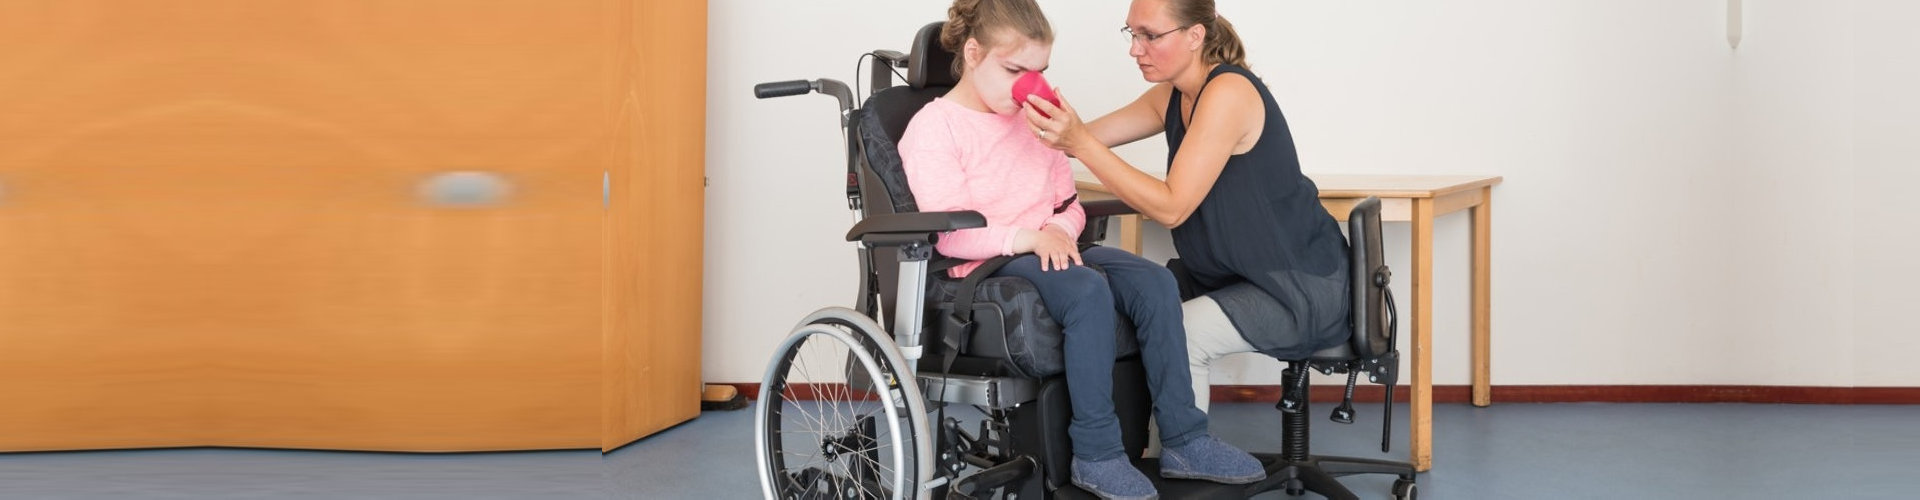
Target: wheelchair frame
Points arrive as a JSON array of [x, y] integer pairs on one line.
[[896, 352], [926, 458]]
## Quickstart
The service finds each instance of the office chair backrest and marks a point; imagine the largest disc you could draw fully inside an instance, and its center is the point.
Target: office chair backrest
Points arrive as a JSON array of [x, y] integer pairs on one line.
[[880, 122], [1371, 332]]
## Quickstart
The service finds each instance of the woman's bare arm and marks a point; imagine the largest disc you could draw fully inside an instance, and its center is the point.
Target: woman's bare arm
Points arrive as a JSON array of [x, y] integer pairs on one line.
[[1143, 118], [1229, 111]]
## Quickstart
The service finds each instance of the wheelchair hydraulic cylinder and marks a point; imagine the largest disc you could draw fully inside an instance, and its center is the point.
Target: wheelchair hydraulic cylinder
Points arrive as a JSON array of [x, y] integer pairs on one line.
[[910, 299]]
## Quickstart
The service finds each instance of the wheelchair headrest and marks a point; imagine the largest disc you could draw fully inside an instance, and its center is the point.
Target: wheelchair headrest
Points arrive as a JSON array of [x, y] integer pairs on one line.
[[930, 65]]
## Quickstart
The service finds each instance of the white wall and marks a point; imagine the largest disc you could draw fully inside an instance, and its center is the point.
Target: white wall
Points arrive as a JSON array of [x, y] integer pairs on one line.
[[1791, 184], [1674, 212], [1886, 146]]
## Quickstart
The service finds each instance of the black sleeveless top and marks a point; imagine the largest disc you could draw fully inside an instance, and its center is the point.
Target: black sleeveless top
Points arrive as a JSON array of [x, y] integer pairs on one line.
[[1262, 224]]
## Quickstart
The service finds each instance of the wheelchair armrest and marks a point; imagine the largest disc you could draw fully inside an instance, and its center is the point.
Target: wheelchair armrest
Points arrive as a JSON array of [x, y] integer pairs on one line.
[[1098, 213], [1107, 208], [895, 229]]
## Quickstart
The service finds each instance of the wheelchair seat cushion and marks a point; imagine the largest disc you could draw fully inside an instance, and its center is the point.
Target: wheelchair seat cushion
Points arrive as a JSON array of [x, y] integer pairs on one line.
[[1012, 325]]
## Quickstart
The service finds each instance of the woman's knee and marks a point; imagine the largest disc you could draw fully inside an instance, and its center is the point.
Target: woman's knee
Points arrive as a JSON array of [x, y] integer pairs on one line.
[[1198, 355], [1205, 323]]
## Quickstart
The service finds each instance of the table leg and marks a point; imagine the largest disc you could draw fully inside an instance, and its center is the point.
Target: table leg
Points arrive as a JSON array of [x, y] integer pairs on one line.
[[1422, 331], [1130, 236], [1482, 299]]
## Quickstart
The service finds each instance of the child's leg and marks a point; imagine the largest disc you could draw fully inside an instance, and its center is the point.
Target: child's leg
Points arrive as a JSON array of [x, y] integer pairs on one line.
[[1210, 335], [1078, 298], [1147, 293]]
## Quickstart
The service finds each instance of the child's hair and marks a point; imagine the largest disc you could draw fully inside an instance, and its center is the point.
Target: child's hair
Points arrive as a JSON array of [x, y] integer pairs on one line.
[[1222, 45], [988, 21]]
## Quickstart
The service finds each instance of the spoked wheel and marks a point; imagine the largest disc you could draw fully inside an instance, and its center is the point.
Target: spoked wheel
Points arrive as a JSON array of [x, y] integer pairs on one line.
[[838, 416]]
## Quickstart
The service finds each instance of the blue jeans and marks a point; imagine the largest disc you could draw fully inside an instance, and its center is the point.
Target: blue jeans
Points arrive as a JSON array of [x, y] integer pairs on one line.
[[1083, 302]]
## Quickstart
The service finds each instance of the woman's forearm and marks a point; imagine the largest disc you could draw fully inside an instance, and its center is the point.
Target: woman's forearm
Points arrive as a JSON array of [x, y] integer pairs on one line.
[[1133, 122], [1143, 192]]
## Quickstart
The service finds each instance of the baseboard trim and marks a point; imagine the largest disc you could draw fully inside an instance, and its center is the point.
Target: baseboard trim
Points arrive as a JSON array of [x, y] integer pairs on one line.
[[1765, 394], [1600, 394]]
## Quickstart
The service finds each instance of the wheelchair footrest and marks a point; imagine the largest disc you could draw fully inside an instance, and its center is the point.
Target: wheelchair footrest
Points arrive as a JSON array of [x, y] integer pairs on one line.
[[975, 486], [990, 392]]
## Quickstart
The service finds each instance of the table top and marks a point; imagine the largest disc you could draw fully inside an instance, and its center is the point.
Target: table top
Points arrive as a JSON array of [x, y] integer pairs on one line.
[[1362, 185], [1397, 186]]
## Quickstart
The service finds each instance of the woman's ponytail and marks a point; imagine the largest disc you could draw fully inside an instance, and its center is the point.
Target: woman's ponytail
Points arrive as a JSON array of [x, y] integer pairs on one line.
[[1222, 45]]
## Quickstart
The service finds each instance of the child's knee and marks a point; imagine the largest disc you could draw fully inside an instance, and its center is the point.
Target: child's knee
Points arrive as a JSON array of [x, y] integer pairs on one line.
[[1155, 282], [1082, 281]]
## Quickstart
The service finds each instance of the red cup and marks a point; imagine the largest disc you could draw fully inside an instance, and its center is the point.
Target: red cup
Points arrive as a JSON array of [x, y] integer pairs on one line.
[[1031, 83]]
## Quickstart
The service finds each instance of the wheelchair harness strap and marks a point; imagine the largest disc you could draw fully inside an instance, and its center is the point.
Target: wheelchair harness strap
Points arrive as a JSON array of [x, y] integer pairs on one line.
[[956, 326], [1064, 204]]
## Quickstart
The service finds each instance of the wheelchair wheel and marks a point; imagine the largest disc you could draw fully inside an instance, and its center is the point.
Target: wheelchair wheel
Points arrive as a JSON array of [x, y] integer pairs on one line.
[[839, 417]]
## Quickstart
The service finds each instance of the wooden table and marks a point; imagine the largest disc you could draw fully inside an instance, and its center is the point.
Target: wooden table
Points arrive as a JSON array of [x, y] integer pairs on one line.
[[1416, 199]]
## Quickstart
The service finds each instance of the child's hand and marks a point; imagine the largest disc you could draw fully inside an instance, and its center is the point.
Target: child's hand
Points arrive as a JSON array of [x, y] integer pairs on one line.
[[1056, 249]]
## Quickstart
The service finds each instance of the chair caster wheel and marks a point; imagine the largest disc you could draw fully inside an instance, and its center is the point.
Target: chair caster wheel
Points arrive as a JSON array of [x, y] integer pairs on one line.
[[1405, 490], [1295, 487]]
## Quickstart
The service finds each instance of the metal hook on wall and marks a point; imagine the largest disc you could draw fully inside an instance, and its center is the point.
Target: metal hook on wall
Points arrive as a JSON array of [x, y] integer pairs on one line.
[[1734, 28]]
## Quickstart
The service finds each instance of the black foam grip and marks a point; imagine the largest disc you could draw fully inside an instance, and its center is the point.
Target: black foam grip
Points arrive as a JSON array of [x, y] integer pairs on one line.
[[782, 89]]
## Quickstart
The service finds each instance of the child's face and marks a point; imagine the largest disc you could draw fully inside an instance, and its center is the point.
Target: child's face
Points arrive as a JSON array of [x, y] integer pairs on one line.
[[993, 75]]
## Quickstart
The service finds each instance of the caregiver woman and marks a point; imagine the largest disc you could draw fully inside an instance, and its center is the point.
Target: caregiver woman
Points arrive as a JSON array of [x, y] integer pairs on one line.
[[1247, 224]]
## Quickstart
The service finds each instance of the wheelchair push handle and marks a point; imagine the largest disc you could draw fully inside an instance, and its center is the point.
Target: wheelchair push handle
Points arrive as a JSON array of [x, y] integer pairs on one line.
[[826, 86], [782, 89]]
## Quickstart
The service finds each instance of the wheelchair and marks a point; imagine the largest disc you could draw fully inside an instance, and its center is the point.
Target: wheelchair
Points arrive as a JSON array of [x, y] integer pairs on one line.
[[850, 409]]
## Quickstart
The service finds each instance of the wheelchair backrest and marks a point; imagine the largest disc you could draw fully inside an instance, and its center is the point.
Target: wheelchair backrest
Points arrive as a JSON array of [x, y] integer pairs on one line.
[[879, 123], [1372, 333]]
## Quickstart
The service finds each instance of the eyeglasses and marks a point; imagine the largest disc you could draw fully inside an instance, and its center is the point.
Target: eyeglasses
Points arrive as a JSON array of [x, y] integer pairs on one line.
[[1147, 37]]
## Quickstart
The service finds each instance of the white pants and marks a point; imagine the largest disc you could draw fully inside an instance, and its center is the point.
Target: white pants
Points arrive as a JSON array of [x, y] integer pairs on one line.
[[1210, 336]]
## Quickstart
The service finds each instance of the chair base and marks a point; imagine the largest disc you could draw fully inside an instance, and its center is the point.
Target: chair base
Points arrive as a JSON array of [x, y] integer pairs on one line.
[[1316, 474]]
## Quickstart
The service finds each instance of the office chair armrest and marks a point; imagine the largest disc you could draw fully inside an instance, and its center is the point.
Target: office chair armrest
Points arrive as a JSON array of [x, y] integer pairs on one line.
[[900, 229]]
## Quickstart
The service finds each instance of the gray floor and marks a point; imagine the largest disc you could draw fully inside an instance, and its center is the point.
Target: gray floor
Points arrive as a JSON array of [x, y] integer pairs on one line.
[[1508, 451], [1516, 451]]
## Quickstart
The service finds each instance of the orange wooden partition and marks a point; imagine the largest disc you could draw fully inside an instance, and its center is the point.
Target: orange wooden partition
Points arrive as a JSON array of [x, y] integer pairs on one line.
[[214, 229], [655, 223]]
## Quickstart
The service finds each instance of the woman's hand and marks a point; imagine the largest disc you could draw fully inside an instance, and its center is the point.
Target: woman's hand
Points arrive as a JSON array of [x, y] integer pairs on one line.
[[1057, 126], [1055, 248]]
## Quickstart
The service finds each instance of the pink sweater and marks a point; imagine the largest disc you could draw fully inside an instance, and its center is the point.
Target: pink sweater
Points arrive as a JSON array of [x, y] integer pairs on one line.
[[960, 159]]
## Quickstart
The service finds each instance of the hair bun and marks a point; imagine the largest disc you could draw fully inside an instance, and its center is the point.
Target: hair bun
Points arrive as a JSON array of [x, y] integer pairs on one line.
[[959, 27]]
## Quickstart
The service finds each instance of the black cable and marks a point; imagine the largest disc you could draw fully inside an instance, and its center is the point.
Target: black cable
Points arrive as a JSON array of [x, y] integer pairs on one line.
[[896, 72], [857, 63], [860, 62]]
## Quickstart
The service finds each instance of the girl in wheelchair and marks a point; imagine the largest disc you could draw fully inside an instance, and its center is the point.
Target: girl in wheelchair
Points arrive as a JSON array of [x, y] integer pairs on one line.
[[973, 150]]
